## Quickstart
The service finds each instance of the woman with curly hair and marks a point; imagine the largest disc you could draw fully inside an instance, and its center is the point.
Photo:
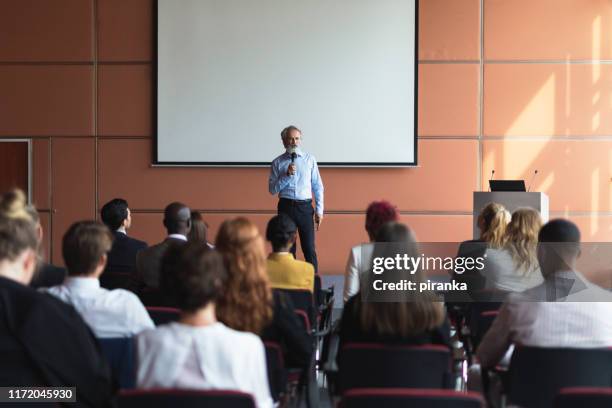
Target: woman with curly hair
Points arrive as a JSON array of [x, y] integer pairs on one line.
[[247, 302]]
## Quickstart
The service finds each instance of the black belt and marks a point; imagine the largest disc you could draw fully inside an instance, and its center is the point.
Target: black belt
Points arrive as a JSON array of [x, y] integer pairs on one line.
[[309, 201]]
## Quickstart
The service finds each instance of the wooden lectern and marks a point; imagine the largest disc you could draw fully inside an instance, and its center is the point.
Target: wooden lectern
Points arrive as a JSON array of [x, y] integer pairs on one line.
[[511, 200]]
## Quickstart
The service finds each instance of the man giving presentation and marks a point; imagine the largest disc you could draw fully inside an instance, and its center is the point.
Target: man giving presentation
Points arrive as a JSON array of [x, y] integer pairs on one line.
[[294, 176]]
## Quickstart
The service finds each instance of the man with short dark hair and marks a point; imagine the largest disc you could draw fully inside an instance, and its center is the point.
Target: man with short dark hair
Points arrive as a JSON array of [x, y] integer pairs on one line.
[[294, 176], [284, 270], [122, 257], [177, 220], [109, 313], [565, 311]]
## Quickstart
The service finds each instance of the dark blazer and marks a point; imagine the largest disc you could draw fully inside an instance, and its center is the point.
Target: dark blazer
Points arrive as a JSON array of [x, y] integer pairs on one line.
[[148, 264], [122, 257], [44, 342], [48, 275]]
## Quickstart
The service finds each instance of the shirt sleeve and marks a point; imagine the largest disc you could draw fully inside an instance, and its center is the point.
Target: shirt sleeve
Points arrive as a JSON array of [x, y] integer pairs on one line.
[[497, 340], [277, 181], [317, 186], [139, 316], [351, 276]]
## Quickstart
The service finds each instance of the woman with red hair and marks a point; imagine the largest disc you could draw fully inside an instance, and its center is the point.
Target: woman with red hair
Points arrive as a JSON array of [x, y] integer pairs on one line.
[[378, 213]]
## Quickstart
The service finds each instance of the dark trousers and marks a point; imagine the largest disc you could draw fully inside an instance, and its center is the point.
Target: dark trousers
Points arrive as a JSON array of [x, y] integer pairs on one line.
[[302, 213]]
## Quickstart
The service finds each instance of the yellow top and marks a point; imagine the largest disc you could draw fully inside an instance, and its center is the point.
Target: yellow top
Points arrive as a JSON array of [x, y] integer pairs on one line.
[[285, 272]]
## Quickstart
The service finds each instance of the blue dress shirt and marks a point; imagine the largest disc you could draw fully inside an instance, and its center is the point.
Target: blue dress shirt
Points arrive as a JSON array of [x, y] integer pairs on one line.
[[302, 184]]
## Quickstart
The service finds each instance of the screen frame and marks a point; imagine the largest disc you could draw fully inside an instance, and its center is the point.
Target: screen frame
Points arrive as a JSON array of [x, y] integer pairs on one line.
[[157, 163]]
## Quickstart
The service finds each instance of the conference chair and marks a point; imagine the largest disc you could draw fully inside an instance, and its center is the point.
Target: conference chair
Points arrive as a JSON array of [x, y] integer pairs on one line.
[[584, 397], [375, 365], [482, 325], [277, 372], [302, 299], [174, 398], [120, 354], [407, 397], [537, 374], [162, 315]]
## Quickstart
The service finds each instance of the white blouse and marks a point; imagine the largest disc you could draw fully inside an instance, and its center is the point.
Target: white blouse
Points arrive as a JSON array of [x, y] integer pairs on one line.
[[176, 355]]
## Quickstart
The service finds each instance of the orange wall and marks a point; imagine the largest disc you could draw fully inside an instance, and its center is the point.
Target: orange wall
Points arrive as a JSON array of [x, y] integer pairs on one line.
[[76, 77]]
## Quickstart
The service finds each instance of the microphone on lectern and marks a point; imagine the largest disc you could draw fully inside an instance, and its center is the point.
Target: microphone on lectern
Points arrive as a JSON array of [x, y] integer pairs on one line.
[[535, 173], [491, 178]]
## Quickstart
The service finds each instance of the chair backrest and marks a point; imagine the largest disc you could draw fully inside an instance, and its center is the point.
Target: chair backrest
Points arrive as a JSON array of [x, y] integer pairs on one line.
[[162, 315], [537, 374], [173, 398], [303, 318], [302, 300], [277, 372], [373, 365], [584, 397], [120, 354], [413, 398], [482, 325]]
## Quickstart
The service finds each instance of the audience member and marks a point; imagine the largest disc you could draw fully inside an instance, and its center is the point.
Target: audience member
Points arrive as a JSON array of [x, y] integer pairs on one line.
[[109, 313], [46, 274], [122, 257], [577, 315], [418, 319], [199, 229], [198, 352], [177, 220], [514, 266], [377, 214], [284, 270], [43, 342], [248, 303], [492, 222]]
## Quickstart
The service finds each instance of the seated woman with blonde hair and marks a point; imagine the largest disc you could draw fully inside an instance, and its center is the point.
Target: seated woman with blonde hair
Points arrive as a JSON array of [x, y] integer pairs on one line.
[[514, 267]]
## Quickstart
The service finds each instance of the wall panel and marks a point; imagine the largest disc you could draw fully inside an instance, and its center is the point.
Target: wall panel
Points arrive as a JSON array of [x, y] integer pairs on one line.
[[74, 186], [449, 30], [574, 174], [548, 29], [548, 100], [46, 100], [125, 100], [46, 30], [448, 99]]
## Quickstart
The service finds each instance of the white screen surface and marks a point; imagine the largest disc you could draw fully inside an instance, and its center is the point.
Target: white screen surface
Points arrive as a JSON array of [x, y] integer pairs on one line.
[[231, 74]]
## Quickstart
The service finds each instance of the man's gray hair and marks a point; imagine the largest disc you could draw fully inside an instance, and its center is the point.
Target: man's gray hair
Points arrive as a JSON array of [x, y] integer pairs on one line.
[[288, 129]]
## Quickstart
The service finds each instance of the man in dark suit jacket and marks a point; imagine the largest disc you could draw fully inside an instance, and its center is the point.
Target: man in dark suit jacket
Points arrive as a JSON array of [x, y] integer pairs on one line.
[[122, 257], [177, 220]]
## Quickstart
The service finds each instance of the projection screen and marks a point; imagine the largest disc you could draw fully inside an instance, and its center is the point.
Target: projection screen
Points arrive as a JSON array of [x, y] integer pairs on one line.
[[231, 74]]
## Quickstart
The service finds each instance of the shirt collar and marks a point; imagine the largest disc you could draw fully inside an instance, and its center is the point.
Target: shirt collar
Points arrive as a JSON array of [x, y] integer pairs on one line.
[[178, 236], [298, 152], [82, 282], [280, 255], [121, 230]]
